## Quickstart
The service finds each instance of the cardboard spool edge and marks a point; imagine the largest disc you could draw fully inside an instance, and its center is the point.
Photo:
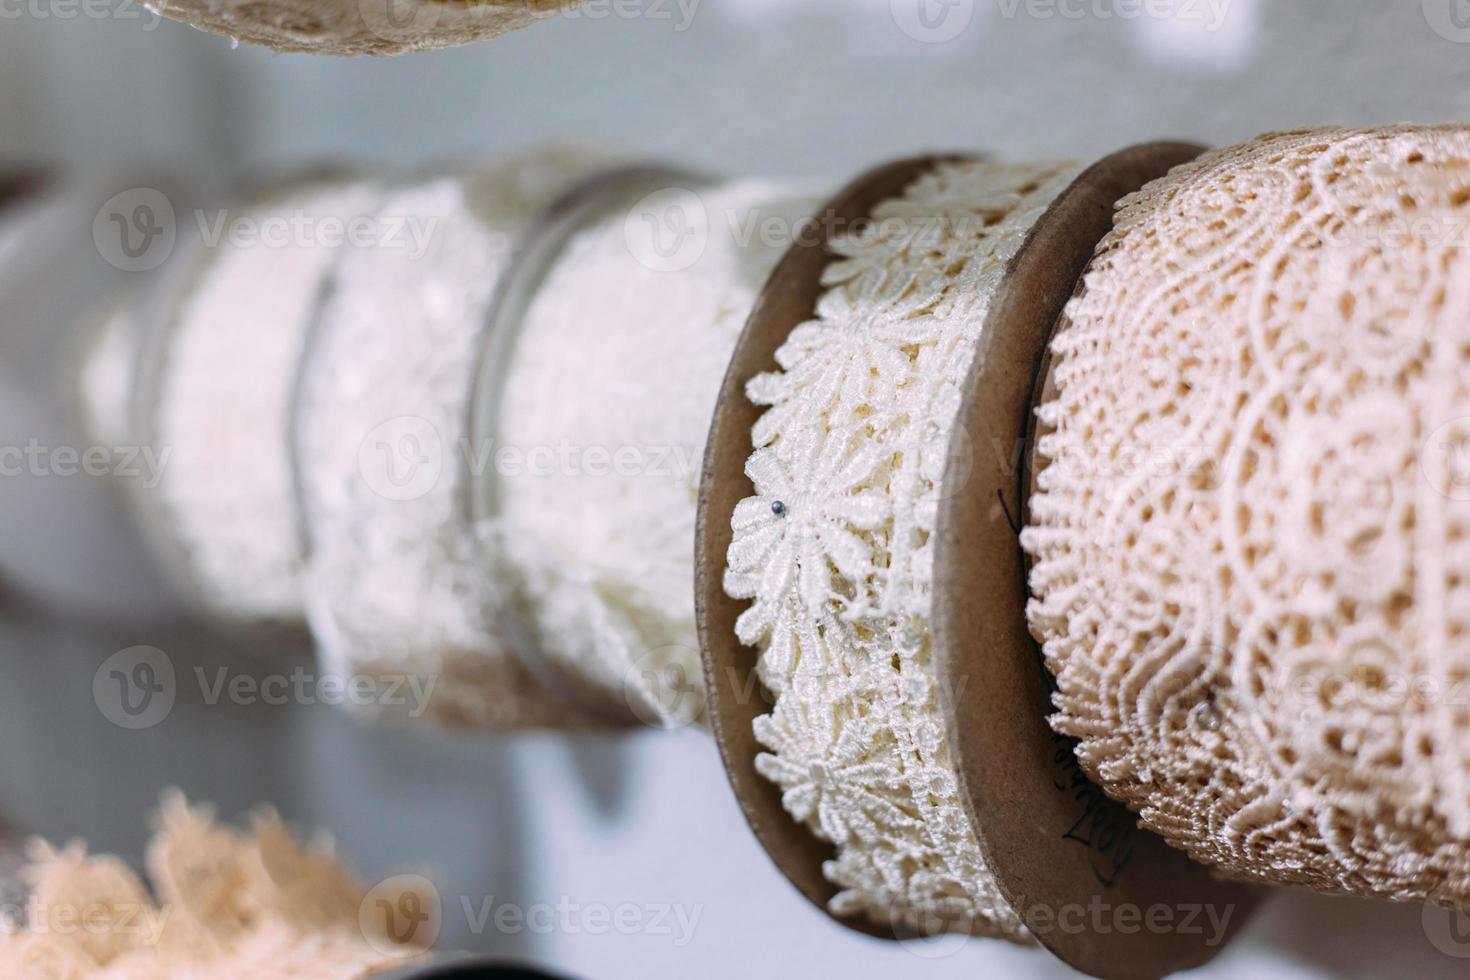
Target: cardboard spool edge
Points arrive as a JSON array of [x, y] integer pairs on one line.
[[734, 695], [1052, 839]]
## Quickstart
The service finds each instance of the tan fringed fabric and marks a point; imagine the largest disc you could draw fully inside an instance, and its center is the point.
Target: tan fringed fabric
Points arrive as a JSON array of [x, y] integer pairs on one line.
[[228, 905]]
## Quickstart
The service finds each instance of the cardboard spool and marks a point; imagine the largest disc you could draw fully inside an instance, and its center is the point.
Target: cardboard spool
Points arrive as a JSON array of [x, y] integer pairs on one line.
[[1055, 842], [735, 697]]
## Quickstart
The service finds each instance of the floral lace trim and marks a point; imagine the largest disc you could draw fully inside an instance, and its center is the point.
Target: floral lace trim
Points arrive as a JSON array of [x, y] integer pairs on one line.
[[835, 549]]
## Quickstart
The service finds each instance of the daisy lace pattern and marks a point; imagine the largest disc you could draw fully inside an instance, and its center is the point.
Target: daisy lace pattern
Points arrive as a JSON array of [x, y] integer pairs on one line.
[[1252, 532], [835, 552]]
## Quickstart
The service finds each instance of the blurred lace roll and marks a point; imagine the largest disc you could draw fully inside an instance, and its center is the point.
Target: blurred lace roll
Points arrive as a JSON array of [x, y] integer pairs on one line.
[[216, 385], [361, 27], [1252, 531], [68, 541], [610, 388], [836, 548], [396, 586]]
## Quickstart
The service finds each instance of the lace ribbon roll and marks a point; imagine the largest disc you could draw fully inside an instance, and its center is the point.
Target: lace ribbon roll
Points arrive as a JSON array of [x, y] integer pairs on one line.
[[359, 27], [1250, 532], [613, 378], [835, 549], [395, 585], [216, 384]]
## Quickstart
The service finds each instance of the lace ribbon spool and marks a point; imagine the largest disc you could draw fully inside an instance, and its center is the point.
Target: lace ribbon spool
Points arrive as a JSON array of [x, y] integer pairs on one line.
[[396, 586], [213, 388], [735, 697], [1056, 841], [1256, 616], [834, 544], [601, 385], [359, 27]]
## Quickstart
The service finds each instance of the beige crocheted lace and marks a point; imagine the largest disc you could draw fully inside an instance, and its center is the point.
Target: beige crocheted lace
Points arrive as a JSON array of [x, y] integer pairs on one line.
[[228, 905], [1253, 537], [836, 548]]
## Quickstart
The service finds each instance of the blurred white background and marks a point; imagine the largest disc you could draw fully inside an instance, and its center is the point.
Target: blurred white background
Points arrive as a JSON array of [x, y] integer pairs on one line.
[[810, 87]]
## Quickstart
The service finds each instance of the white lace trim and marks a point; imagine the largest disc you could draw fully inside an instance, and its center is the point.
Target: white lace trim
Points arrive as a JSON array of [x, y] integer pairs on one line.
[[608, 400], [1253, 532], [836, 548], [223, 409], [395, 584]]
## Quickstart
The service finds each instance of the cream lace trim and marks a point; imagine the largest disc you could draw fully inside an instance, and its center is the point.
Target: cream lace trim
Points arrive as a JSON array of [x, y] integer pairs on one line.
[[836, 547], [395, 585], [599, 560], [1253, 533], [223, 410]]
